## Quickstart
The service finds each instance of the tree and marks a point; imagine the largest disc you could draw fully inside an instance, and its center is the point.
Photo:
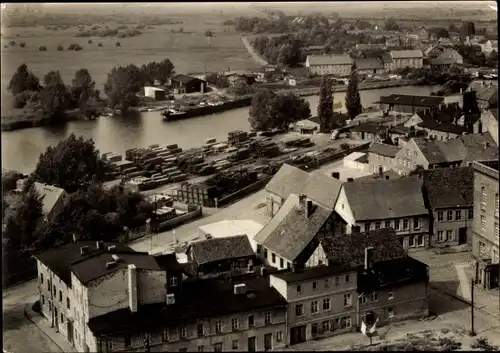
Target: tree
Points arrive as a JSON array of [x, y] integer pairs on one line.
[[352, 98], [9, 180], [82, 88], [325, 105], [242, 88], [492, 60], [28, 215], [260, 113], [23, 80], [218, 80], [122, 86], [391, 24], [442, 33], [72, 164], [54, 98], [158, 71]]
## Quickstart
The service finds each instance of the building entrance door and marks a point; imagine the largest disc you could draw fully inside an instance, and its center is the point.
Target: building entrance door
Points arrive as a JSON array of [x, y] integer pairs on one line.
[[298, 335], [251, 344], [462, 236]]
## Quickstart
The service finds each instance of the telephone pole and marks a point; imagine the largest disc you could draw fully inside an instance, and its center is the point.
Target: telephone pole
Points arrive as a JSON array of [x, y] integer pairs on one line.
[[472, 331]]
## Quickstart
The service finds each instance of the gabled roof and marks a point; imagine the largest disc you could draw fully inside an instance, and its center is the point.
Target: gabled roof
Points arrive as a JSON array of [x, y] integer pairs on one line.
[[386, 58], [449, 187], [296, 231], [369, 64], [369, 128], [349, 250], [416, 101], [442, 126], [205, 298], [184, 78], [386, 199], [217, 249], [49, 194], [291, 202], [323, 190], [384, 149], [63, 260], [329, 60], [288, 180], [406, 54], [430, 150], [487, 93]]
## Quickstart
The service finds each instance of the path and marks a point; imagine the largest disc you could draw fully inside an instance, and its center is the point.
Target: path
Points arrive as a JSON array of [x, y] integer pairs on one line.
[[252, 51]]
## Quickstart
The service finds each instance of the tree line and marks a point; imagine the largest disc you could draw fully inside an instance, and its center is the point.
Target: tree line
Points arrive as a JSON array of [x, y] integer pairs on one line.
[[90, 212]]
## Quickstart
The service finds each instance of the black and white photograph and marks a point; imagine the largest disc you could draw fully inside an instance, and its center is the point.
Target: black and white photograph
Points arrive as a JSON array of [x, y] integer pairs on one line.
[[250, 176]]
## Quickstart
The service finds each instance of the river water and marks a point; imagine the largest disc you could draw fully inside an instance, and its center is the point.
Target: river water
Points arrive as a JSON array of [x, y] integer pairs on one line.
[[21, 148]]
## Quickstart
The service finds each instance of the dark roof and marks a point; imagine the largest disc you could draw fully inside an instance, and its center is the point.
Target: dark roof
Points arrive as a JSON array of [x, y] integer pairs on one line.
[[386, 199], [288, 180], [369, 64], [392, 273], [60, 260], [416, 101], [95, 267], [399, 130], [200, 299], [384, 149], [441, 61], [184, 78], [296, 231], [431, 124], [169, 262], [349, 250], [479, 147], [217, 249], [290, 203], [430, 150], [449, 187], [386, 58], [370, 128], [310, 273]]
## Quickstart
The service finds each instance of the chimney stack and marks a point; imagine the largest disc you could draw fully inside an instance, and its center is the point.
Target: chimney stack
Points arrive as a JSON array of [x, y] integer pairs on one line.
[[99, 245], [132, 288], [386, 177], [302, 200], [368, 257], [309, 208], [350, 180]]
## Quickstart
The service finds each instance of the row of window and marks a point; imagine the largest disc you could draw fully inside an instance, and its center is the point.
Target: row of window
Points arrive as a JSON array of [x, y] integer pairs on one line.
[[54, 292], [458, 215], [398, 224], [484, 201], [482, 252], [219, 327], [444, 237], [326, 283], [331, 325], [326, 305], [495, 227]]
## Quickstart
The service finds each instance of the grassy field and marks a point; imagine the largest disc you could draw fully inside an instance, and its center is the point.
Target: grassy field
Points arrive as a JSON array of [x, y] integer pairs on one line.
[[189, 51]]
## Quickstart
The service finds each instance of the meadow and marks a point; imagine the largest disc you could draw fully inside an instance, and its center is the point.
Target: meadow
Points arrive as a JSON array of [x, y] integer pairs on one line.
[[189, 51]]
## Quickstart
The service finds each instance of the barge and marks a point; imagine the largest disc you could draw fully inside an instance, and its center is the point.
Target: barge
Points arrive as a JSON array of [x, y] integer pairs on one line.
[[192, 112]]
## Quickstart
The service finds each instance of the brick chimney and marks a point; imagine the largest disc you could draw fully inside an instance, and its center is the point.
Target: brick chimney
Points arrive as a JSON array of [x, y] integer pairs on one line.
[[302, 200], [309, 208], [368, 257], [132, 288]]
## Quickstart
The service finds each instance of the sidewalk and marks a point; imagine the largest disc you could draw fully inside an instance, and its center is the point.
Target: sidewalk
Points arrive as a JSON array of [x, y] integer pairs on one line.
[[44, 326]]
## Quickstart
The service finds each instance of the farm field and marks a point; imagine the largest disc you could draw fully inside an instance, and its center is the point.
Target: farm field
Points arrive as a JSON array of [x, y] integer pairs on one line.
[[189, 51]]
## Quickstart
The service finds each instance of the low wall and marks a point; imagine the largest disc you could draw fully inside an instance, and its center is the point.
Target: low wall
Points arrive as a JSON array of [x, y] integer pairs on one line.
[[245, 191], [174, 222]]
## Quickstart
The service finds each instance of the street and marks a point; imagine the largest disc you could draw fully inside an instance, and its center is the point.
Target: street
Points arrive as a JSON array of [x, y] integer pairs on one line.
[[19, 334]]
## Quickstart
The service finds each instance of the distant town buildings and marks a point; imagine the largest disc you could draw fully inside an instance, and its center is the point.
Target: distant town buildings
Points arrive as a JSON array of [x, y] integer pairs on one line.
[[329, 64]]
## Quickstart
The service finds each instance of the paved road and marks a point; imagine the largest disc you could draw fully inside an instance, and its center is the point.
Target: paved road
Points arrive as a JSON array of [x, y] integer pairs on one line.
[[247, 208], [252, 52], [19, 334]]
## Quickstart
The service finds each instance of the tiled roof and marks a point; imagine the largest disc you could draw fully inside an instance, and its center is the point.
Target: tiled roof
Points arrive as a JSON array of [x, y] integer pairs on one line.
[[349, 250], [430, 150], [416, 101], [323, 190], [329, 60], [406, 54], [183, 78], [442, 126], [49, 194], [487, 93], [296, 231], [369, 64], [452, 150], [291, 202], [288, 180], [386, 199], [494, 112], [449, 187], [199, 299], [310, 273], [384, 149], [217, 249], [60, 260], [370, 128]]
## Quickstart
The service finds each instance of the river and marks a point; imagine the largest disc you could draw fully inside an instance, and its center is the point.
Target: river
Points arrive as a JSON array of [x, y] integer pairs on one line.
[[21, 148]]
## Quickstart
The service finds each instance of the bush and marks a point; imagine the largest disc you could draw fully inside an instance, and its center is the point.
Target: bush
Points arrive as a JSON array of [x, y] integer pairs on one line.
[[60, 48], [5, 46], [344, 146], [42, 48], [90, 41], [21, 99], [12, 43], [99, 45], [483, 344], [118, 44], [75, 47], [22, 44]]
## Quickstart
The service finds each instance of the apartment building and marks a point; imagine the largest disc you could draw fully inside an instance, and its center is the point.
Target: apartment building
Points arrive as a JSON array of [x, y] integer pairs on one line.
[[406, 58], [393, 203], [382, 156], [405, 103], [485, 226], [321, 301], [214, 314], [449, 195], [339, 65], [84, 280]]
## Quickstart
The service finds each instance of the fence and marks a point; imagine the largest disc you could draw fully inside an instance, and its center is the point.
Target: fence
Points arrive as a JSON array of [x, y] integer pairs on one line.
[[245, 191], [193, 213]]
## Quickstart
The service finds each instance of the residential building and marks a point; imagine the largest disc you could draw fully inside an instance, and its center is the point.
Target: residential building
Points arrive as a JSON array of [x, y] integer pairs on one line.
[[294, 232], [339, 65], [393, 203], [366, 131], [449, 196], [419, 152], [382, 156], [52, 197], [84, 280], [186, 84], [440, 130], [485, 226], [321, 301], [157, 93], [406, 58], [391, 285], [387, 61], [211, 257], [322, 190], [422, 33], [404, 103], [380, 175], [215, 314], [487, 96], [488, 122], [369, 66]]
